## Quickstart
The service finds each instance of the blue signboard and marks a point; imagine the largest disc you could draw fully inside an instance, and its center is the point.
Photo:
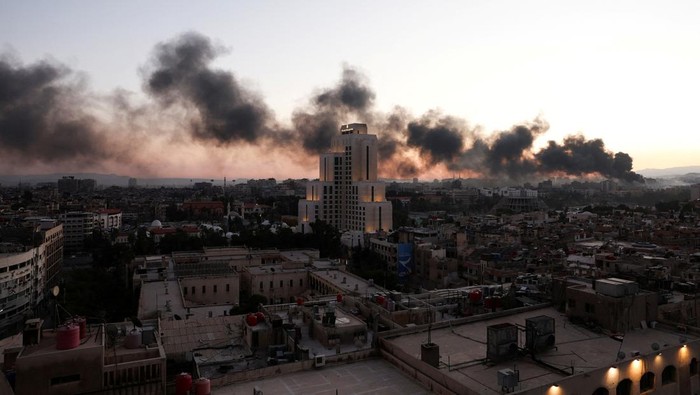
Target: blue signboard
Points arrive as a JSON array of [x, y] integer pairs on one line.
[[405, 260]]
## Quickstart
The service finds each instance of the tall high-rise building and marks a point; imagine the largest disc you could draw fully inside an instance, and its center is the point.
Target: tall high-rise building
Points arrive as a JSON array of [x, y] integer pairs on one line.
[[347, 194]]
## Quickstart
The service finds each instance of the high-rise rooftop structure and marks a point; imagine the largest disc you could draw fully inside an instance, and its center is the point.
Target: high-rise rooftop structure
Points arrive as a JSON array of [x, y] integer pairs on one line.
[[347, 194]]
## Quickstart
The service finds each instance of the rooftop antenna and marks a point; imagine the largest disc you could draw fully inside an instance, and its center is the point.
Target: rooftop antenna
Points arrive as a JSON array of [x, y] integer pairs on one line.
[[54, 295], [136, 322], [112, 332]]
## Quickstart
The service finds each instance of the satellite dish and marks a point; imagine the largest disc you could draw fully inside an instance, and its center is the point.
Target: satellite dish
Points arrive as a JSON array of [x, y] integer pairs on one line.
[[621, 355], [55, 290], [655, 346]]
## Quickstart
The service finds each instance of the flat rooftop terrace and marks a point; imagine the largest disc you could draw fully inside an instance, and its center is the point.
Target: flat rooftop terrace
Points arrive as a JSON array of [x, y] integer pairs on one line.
[[463, 350], [370, 376], [47, 344]]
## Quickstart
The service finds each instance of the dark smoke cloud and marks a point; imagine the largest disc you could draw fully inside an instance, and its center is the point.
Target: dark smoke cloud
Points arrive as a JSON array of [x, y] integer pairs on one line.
[[45, 118], [350, 94], [396, 160], [181, 73], [438, 143], [578, 156], [508, 154], [42, 117], [350, 99]]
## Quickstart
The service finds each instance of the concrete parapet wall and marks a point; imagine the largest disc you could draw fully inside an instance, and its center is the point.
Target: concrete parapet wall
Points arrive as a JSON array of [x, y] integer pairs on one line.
[[428, 376], [270, 371]]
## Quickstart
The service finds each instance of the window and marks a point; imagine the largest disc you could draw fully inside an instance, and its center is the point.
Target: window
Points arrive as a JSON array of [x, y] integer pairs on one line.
[[281, 283], [590, 308], [184, 290], [204, 289], [291, 283], [272, 285], [192, 290], [624, 388], [301, 282], [228, 287], [668, 376], [693, 367], [601, 391], [261, 285], [215, 289], [647, 382]]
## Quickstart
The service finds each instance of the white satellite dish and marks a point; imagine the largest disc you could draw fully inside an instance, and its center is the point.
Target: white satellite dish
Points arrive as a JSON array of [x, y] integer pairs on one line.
[[55, 290]]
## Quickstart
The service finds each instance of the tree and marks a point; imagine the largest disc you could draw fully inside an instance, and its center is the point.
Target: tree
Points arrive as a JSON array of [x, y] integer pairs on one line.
[[248, 304], [326, 239]]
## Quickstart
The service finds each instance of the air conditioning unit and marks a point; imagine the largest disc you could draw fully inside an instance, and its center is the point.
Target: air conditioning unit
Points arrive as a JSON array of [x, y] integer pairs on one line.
[[319, 360], [540, 333], [508, 349], [501, 342], [508, 379]]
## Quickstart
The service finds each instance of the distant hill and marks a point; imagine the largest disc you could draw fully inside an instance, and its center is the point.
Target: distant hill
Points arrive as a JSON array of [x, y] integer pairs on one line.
[[105, 180], [669, 172]]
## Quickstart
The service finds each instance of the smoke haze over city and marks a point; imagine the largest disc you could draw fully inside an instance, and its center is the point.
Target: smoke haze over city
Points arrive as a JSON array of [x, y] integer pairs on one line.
[[49, 117], [188, 105]]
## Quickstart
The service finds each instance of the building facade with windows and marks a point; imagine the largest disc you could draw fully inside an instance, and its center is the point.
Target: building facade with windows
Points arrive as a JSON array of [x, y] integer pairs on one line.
[[347, 194], [77, 227], [27, 272]]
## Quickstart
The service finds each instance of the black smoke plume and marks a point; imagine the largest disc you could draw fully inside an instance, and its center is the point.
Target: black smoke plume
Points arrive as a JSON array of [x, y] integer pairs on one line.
[[181, 73], [578, 156], [350, 99], [508, 154], [41, 116], [45, 118], [437, 143]]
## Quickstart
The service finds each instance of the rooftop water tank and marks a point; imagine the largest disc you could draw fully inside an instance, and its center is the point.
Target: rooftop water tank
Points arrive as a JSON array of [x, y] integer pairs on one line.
[[133, 339], [251, 320], [202, 386], [67, 337], [183, 384]]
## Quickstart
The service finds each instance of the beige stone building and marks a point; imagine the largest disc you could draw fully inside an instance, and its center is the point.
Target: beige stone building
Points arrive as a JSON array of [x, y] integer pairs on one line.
[[278, 283]]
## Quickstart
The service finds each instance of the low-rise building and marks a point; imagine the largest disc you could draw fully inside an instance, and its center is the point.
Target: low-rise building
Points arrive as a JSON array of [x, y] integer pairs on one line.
[[109, 218], [278, 283], [77, 359], [77, 227]]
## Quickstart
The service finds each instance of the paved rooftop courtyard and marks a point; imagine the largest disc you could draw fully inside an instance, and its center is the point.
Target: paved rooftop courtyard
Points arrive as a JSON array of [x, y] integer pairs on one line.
[[370, 376]]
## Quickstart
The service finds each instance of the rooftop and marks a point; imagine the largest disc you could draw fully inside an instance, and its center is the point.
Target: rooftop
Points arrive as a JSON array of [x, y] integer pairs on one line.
[[463, 350], [47, 345], [268, 269], [373, 376], [348, 282], [180, 336]]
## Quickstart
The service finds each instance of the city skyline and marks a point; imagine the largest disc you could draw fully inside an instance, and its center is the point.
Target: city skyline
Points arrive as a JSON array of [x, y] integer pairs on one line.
[[469, 89]]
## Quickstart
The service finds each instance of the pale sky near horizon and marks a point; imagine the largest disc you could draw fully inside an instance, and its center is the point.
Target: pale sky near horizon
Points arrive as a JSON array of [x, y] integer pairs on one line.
[[624, 71]]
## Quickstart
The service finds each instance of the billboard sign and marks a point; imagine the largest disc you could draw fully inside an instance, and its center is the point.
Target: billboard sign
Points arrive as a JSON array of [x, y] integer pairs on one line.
[[405, 260]]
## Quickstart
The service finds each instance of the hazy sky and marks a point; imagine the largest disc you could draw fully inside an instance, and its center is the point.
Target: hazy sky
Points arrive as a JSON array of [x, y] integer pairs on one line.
[[627, 72]]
